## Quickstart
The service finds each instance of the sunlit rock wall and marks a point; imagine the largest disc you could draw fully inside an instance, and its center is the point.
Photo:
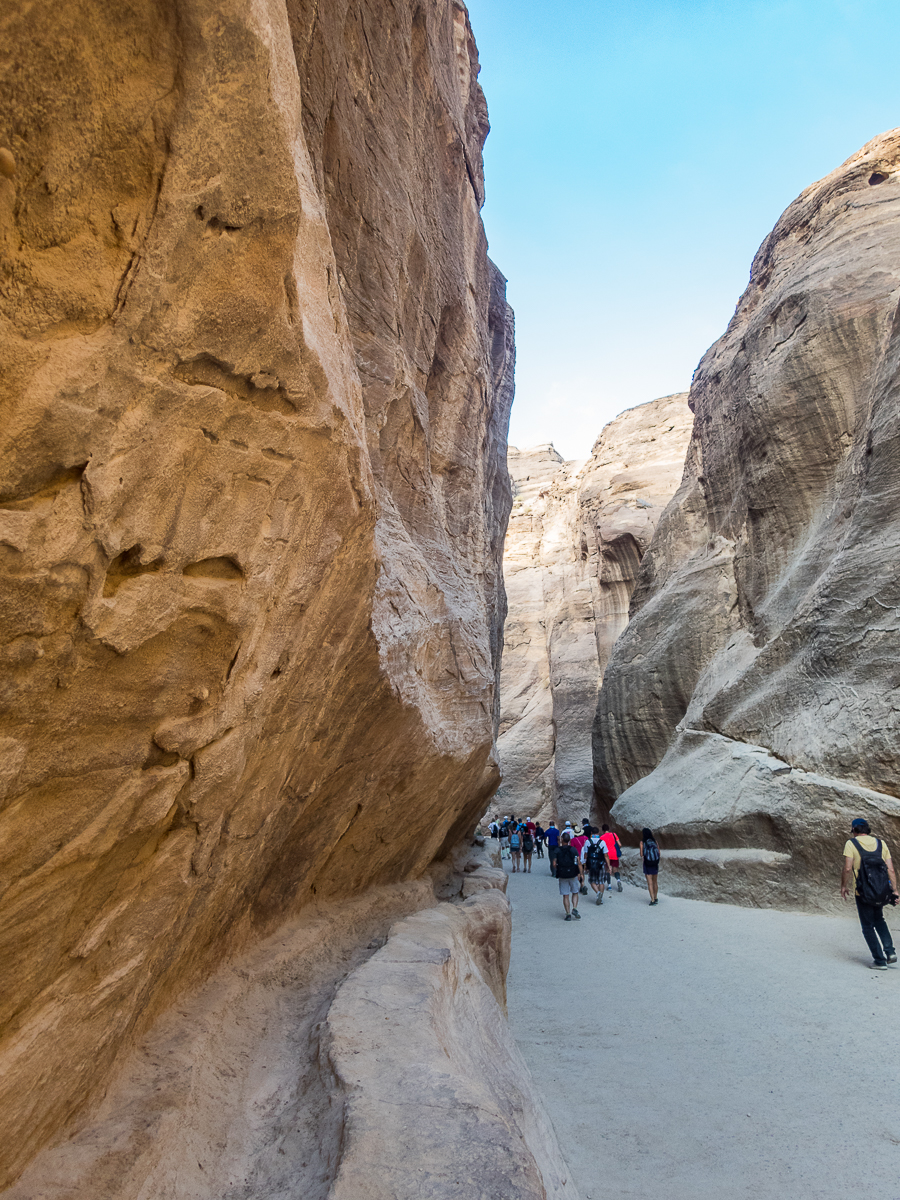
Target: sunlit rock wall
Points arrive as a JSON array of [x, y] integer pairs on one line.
[[256, 376], [751, 706], [574, 545]]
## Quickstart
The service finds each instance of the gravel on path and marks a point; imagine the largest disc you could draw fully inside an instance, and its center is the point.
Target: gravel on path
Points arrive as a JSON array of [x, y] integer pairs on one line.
[[707, 1052]]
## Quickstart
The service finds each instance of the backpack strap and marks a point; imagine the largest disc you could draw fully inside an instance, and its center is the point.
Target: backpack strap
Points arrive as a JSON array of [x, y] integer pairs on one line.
[[861, 851]]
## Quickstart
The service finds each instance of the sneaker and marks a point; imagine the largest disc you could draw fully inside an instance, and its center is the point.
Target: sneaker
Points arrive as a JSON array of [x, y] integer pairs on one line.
[[577, 915], [618, 885], [891, 958], [569, 918], [877, 966], [599, 900]]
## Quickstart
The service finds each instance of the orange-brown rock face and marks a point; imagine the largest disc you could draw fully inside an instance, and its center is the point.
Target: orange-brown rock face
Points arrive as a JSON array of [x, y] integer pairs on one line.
[[256, 375], [749, 711]]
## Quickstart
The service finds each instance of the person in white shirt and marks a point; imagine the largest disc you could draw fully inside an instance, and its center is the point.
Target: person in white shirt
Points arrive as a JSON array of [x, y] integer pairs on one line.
[[595, 864]]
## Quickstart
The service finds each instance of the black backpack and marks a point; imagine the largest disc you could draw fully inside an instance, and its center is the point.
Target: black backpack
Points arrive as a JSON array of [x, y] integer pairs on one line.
[[873, 884], [566, 863], [527, 843], [594, 857], [651, 852]]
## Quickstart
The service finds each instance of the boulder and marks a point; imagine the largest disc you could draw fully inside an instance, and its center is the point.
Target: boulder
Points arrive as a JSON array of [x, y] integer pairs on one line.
[[751, 703]]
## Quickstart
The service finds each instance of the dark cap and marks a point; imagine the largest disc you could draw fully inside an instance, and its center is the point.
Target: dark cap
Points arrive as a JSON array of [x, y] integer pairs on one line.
[[859, 823]]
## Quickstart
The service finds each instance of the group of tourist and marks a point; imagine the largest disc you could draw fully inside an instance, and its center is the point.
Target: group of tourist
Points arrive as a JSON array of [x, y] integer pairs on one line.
[[593, 855], [574, 855]]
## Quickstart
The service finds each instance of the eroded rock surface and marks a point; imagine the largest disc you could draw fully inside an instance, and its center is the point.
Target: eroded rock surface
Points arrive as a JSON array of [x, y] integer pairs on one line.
[[576, 537], [751, 704], [360, 1050], [256, 375]]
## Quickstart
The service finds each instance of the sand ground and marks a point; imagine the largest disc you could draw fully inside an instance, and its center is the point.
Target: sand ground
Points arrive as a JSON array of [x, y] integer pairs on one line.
[[700, 1051]]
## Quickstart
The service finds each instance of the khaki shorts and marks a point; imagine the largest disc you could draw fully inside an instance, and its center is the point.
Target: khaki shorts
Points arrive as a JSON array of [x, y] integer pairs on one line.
[[569, 887]]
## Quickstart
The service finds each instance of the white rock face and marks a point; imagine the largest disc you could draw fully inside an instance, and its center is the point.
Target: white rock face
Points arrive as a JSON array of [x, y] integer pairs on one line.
[[752, 702], [576, 537]]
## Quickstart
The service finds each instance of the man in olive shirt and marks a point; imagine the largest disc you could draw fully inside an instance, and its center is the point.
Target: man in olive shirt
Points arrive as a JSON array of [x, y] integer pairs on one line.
[[871, 916]]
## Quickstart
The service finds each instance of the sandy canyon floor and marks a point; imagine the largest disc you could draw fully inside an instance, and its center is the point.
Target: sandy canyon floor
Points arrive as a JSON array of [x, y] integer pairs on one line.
[[703, 1051]]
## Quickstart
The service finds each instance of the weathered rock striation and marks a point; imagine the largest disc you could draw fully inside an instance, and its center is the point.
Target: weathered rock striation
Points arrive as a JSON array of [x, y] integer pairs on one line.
[[349, 1053], [576, 536], [750, 709], [256, 376]]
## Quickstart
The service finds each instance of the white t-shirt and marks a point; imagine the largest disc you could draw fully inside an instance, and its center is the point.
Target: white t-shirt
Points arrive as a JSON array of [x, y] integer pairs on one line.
[[595, 841]]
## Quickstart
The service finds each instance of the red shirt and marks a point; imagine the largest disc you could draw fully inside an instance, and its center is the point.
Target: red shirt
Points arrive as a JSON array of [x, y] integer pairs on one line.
[[609, 840], [577, 842]]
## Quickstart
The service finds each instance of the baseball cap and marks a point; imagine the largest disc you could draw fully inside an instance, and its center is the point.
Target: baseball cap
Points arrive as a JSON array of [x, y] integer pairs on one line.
[[858, 823]]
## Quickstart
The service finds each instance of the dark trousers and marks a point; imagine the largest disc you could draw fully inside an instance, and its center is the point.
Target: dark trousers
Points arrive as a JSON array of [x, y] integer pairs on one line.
[[539, 849], [874, 926], [552, 852]]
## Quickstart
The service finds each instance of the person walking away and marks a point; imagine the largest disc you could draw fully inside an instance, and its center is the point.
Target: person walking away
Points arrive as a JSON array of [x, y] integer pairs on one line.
[[650, 859], [579, 841], [613, 853], [527, 848], [552, 846], [530, 826], [593, 858], [570, 876], [539, 836], [868, 859], [495, 829], [515, 846], [504, 838]]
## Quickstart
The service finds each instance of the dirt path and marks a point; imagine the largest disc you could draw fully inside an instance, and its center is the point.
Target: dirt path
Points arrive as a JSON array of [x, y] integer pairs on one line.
[[705, 1052]]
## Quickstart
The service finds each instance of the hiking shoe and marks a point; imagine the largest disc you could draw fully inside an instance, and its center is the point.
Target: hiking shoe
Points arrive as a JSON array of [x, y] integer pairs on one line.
[[618, 885], [876, 966], [891, 958], [569, 918], [577, 915]]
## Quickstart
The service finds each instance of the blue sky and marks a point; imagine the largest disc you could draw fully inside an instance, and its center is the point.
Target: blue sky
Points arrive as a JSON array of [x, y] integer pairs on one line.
[[639, 154]]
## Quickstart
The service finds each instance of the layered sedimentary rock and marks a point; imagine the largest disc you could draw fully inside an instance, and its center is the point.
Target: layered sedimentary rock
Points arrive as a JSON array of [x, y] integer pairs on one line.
[[256, 375], [576, 537], [351, 1053], [750, 709]]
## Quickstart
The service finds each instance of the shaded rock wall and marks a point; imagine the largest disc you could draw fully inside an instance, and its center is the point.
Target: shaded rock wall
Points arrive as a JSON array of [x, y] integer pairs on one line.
[[751, 704], [256, 375], [349, 1053], [576, 537]]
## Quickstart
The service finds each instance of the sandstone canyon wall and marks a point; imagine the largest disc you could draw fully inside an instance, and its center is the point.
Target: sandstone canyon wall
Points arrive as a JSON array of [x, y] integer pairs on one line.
[[256, 376], [576, 536], [750, 709]]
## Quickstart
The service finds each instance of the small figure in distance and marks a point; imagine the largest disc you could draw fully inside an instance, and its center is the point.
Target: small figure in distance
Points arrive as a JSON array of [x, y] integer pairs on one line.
[[593, 859], [515, 846], [504, 838], [552, 846], [613, 853], [875, 884], [539, 836], [650, 858], [570, 876], [527, 847], [578, 841]]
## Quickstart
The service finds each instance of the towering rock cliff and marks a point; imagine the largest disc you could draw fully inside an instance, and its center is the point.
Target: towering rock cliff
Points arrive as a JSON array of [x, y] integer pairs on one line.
[[576, 537], [750, 709], [256, 376]]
